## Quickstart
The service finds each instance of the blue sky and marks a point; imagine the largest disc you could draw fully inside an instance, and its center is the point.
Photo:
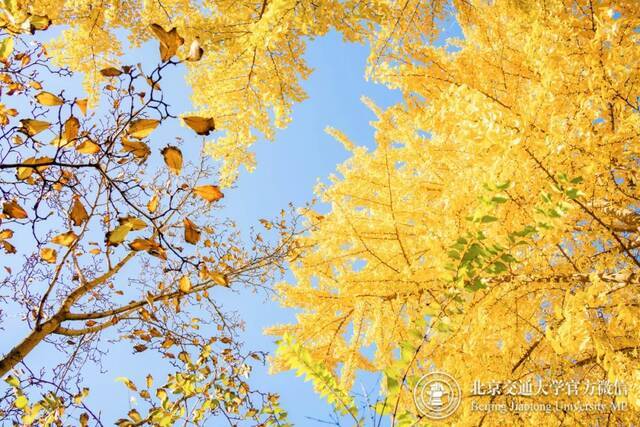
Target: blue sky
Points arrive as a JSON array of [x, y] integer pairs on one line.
[[287, 171]]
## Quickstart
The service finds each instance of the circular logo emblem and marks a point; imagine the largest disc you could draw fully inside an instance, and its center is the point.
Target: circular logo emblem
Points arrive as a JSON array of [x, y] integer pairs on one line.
[[437, 395]]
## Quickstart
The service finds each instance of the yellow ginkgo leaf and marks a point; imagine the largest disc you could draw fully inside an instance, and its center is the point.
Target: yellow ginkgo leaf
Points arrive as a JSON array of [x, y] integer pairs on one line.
[[137, 148], [184, 284], [191, 232], [78, 213], [65, 239], [33, 127], [201, 125], [82, 104], [173, 158], [25, 172], [48, 255], [88, 147], [71, 129], [218, 278], [48, 99], [210, 193], [118, 234], [6, 234], [170, 41], [143, 244], [135, 223], [141, 128], [13, 210], [153, 203]]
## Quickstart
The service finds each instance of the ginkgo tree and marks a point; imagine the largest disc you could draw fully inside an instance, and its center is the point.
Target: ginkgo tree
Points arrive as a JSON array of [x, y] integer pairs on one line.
[[493, 232], [251, 72], [108, 233]]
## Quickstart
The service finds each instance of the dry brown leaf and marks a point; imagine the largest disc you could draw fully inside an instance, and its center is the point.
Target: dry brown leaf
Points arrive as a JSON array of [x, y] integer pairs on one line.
[[13, 210], [141, 128], [143, 245], [111, 72], [173, 159], [82, 104], [191, 232], [48, 255], [137, 148], [78, 213], [202, 125], [88, 147], [210, 193], [71, 129], [135, 223], [65, 239], [170, 41], [8, 247], [33, 127], [48, 99], [153, 203]]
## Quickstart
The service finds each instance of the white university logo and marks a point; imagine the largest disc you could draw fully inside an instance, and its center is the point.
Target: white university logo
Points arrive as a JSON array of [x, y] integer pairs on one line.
[[437, 395]]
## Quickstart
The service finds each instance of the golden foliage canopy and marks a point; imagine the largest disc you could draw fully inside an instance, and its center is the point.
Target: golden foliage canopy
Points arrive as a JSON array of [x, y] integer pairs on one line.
[[249, 75], [493, 232]]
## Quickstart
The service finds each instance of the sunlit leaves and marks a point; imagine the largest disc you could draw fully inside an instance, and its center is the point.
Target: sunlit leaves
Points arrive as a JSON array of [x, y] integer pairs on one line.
[[65, 239], [142, 128], [135, 223], [173, 159], [201, 125], [48, 99], [78, 214], [170, 41], [6, 48], [48, 255], [118, 234], [191, 232], [82, 104], [33, 127], [71, 129], [152, 205], [127, 224], [24, 172], [150, 246], [184, 284], [6, 245], [142, 244], [88, 147], [138, 148], [13, 210], [210, 193]]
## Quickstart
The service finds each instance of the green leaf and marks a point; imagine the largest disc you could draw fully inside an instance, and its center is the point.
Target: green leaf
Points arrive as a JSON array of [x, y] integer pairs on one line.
[[504, 185], [474, 251], [499, 267], [577, 180], [488, 218], [392, 385], [499, 198], [574, 193]]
